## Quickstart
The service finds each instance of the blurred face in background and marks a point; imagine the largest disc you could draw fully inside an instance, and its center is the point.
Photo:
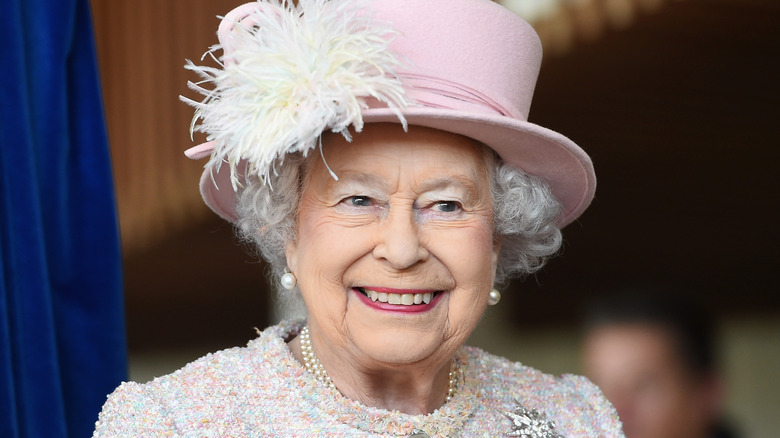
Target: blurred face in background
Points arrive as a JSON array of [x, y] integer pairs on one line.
[[638, 368]]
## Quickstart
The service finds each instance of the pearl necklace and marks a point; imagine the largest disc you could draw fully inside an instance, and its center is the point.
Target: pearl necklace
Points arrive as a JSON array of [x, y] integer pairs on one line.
[[311, 362], [314, 366]]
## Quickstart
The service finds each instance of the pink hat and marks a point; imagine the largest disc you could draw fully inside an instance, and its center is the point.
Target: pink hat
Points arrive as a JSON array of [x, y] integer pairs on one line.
[[466, 66]]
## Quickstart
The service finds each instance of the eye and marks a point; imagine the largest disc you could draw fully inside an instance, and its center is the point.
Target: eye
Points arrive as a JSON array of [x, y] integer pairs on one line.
[[358, 201], [446, 206]]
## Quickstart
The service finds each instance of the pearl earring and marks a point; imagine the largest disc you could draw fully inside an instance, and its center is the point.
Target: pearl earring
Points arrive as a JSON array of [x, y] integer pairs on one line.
[[494, 297], [288, 280]]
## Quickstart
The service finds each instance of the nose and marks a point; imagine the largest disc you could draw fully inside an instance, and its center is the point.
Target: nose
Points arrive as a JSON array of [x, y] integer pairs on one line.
[[399, 241]]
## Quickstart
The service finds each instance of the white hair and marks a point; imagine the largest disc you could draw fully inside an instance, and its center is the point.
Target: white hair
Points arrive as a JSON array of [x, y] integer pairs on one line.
[[524, 215]]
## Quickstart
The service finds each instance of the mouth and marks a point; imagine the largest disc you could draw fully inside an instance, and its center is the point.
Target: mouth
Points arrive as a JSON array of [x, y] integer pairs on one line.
[[395, 297]]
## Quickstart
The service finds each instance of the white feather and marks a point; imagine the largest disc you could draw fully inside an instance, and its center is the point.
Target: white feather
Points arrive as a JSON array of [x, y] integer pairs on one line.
[[297, 71]]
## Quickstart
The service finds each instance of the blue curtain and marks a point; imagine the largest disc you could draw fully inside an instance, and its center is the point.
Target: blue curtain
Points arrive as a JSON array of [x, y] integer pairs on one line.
[[62, 344]]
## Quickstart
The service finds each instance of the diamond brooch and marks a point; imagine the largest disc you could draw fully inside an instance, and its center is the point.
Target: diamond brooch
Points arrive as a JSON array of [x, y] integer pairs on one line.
[[530, 423]]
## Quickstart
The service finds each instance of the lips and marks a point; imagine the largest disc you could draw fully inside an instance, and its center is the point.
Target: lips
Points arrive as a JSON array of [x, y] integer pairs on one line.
[[406, 299]]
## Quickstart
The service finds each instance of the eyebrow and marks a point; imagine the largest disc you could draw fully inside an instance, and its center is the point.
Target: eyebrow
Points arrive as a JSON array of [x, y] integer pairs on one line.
[[452, 181], [367, 179], [377, 182]]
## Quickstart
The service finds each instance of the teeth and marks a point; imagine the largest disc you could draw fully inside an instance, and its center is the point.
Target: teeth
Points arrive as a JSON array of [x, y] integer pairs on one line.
[[399, 299]]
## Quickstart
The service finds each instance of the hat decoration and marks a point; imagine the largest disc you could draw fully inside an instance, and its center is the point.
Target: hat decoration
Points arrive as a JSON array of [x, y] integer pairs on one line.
[[288, 73]]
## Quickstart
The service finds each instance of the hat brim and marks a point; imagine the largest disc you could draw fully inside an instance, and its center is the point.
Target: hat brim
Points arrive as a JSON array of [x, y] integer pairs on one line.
[[534, 149]]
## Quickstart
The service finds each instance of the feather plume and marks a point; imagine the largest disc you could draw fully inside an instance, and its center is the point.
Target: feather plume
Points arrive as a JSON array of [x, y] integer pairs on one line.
[[287, 74]]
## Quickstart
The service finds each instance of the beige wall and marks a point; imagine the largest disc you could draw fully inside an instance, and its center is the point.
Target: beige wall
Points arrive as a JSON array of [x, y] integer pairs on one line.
[[142, 47], [751, 350]]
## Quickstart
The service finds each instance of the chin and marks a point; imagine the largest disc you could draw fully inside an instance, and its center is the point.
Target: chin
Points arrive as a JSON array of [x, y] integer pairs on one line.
[[400, 345]]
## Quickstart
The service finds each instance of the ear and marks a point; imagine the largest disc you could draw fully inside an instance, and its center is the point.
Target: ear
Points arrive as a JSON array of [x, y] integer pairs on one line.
[[291, 253]]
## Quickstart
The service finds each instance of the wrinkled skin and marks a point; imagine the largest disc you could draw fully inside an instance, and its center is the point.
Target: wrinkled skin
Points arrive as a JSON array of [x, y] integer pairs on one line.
[[409, 212]]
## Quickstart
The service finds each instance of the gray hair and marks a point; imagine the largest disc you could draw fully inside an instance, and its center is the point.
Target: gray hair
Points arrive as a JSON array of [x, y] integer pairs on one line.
[[524, 215]]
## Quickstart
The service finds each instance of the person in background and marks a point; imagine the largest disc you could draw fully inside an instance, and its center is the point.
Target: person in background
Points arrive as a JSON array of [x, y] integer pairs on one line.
[[655, 359]]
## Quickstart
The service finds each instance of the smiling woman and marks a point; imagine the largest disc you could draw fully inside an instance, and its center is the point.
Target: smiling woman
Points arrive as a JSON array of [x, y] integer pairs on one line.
[[389, 199], [397, 242]]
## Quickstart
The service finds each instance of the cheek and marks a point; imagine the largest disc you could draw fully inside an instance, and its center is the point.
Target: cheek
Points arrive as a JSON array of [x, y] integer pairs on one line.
[[327, 247], [468, 251], [468, 254], [319, 271]]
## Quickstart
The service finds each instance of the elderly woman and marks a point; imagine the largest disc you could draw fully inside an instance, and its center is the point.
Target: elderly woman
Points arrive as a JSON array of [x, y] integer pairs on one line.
[[379, 156]]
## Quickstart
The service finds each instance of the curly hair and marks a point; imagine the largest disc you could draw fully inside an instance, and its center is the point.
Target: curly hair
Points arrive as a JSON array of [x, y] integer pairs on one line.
[[524, 220]]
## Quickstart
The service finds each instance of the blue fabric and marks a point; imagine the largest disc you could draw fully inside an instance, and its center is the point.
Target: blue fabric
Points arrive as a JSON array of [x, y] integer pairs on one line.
[[62, 344]]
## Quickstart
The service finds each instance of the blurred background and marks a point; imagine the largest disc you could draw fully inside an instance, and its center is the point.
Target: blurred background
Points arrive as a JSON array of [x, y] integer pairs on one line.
[[675, 101]]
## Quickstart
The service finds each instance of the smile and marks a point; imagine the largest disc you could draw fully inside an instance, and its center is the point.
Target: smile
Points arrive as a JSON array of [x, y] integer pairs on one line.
[[394, 297]]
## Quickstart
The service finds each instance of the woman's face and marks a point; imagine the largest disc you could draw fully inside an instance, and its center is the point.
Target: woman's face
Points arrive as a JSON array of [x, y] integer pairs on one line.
[[409, 220]]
